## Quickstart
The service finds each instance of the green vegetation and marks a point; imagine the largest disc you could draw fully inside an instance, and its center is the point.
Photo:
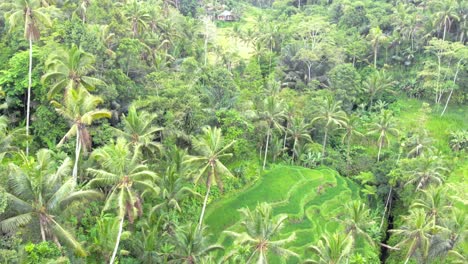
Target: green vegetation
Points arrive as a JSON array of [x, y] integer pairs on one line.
[[283, 131]]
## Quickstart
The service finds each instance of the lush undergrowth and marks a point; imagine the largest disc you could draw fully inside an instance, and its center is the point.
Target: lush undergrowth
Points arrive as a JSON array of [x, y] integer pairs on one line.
[[296, 192]]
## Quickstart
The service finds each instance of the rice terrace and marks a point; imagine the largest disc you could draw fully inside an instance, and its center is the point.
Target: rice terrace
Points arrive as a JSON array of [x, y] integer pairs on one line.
[[312, 199]]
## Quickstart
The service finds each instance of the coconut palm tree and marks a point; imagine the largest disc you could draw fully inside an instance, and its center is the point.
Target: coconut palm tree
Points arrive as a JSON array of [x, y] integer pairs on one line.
[[358, 221], [434, 202], [331, 114], [332, 249], [445, 15], [137, 15], [192, 245], [376, 37], [39, 191], [384, 127], [376, 84], [31, 15], [79, 108], [127, 177], [426, 170], [350, 128], [70, 69], [299, 130], [272, 113], [211, 148], [260, 231], [415, 232], [139, 131], [9, 137]]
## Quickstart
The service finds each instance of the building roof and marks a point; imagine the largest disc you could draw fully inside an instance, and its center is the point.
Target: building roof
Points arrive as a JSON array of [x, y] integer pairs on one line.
[[226, 13]]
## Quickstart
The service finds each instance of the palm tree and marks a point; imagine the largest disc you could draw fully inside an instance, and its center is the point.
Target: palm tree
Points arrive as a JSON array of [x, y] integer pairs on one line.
[[127, 177], [30, 14], [299, 130], [426, 170], [211, 148], [139, 130], [415, 232], [350, 127], [330, 112], [8, 137], [192, 246], [376, 84], [272, 113], [434, 202], [69, 70], [137, 15], [39, 191], [261, 228], [376, 37], [383, 127], [173, 191], [445, 15], [79, 108], [332, 249], [358, 220]]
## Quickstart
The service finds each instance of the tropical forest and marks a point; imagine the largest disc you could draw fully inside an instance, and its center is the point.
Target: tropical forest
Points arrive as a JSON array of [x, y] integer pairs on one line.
[[234, 131]]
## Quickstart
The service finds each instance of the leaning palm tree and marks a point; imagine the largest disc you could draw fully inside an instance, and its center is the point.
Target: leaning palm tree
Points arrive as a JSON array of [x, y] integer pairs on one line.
[[70, 69], [211, 148], [331, 114], [79, 108], [384, 127], [127, 177], [30, 14], [415, 232], [39, 191], [272, 113], [261, 228], [139, 131], [434, 202], [191, 245], [427, 170], [332, 249]]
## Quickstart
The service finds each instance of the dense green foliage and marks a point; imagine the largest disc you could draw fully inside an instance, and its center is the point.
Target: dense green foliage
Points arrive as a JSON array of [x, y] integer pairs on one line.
[[150, 131]]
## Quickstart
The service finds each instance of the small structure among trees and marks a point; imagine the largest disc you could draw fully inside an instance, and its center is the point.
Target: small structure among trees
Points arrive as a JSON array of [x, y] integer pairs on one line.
[[227, 15]]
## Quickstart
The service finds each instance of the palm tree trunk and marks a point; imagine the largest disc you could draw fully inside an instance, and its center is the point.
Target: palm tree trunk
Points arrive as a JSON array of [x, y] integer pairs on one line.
[[375, 55], [294, 148], [28, 103], [380, 149], [266, 147], [451, 91], [77, 156], [348, 149], [324, 144], [41, 226], [114, 253], [204, 207], [386, 207]]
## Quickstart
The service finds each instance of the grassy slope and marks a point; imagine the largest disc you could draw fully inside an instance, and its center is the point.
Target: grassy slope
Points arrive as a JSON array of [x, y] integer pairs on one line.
[[291, 191]]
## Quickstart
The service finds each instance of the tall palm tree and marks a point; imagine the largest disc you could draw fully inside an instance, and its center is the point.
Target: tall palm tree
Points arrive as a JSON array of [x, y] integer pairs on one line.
[[192, 246], [127, 177], [332, 249], [331, 114], [272, 113], [445, 15], [211, 148], [30, 14], [350, 128], [377, 37], [69, 69], [376, 84], [139, 130], [260, 231], [415, 232], [79, 108], [299, 130], [384, 127], [39, 191]]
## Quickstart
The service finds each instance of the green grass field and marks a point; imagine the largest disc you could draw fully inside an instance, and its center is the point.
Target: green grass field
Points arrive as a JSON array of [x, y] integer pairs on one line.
[[291, 191]]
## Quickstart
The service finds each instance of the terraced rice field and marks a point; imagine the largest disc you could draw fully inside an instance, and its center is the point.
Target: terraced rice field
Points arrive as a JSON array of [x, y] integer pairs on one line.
[[292, 191]]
